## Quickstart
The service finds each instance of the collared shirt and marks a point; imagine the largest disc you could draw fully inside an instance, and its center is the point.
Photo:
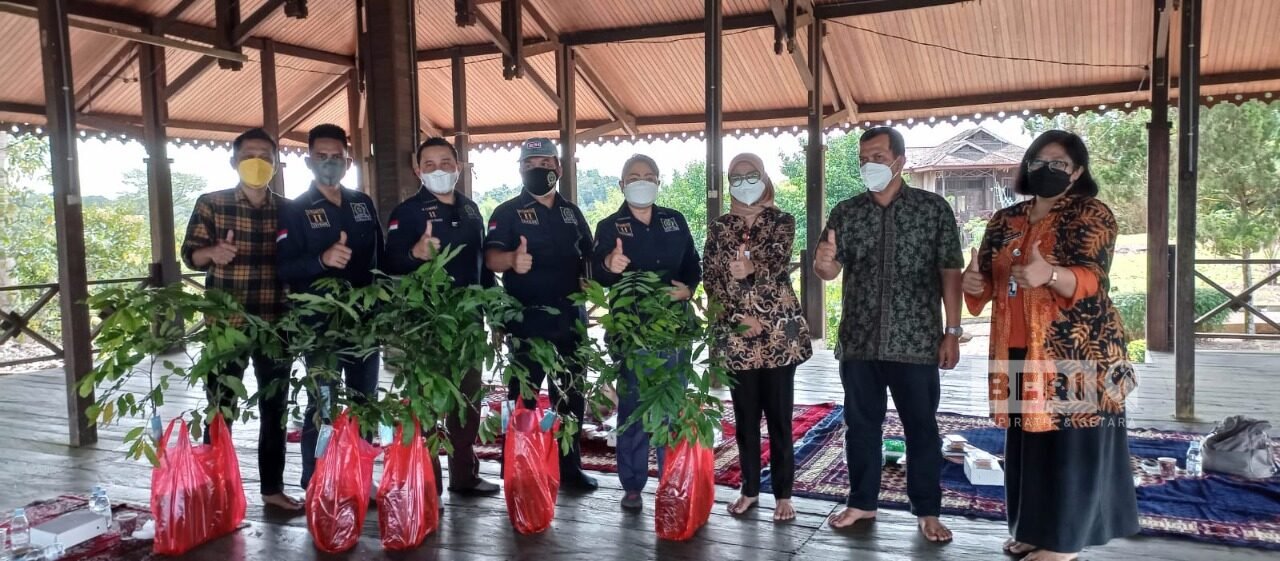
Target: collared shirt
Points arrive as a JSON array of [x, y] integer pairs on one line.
[[251, 277], [663, 246], [893, 258], [560, 244], [310, 225], [457, 225]]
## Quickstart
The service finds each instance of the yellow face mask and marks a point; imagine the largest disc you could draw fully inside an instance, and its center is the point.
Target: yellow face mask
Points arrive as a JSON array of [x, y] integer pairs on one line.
[[255, 172]]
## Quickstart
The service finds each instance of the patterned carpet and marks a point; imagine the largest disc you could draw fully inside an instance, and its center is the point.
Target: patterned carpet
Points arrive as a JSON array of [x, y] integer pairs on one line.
[[1216, 508], [598, 456]]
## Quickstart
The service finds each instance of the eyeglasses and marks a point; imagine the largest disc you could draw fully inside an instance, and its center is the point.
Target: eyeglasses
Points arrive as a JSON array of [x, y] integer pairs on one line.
[[751, 179], [1059, 165], [328, 157]]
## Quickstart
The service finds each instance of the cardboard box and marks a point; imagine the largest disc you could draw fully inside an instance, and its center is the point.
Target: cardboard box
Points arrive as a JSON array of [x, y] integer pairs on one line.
[[983, 469], [69, 530], [954, 443]]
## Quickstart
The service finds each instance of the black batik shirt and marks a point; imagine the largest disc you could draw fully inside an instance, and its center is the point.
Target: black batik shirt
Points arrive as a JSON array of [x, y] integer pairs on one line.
[[893, 258]]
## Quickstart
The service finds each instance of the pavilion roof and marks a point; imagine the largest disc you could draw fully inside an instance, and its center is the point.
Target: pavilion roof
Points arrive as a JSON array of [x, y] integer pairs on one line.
[[949, 61]]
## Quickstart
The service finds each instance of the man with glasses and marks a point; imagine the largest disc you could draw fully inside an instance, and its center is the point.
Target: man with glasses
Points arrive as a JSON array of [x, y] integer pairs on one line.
[[899, 250], [330, 232]]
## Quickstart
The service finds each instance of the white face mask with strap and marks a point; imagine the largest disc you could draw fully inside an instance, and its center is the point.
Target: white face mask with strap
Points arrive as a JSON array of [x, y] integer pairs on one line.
[[439, 182], [640, 193], [876, 177]]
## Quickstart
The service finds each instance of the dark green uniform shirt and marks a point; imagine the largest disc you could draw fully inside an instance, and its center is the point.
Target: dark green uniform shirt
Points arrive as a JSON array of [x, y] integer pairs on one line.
[[893, 258]]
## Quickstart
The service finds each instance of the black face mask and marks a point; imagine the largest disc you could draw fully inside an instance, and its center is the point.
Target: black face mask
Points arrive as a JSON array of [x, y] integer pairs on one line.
[[1048, 182], [539, 181]]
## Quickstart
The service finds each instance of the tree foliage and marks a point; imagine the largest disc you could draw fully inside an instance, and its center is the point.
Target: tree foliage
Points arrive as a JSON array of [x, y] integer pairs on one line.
[[1239, 181]]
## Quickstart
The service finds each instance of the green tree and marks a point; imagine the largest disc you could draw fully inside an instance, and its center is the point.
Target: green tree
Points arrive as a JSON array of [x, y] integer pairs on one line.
[[1239, 182], [594, 187], [686, 191], [843, 172]]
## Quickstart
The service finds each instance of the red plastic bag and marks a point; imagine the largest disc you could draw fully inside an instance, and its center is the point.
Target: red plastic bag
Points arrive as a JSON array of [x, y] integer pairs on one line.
[[408, 507], [531, 473], [338, 495], [183, 496], [219, 459], [686, 491]]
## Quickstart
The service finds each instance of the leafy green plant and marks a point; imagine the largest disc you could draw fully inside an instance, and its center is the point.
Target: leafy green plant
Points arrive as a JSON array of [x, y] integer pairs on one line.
[[642, 325], [139, 326], [1133, 311], [1138, 350]]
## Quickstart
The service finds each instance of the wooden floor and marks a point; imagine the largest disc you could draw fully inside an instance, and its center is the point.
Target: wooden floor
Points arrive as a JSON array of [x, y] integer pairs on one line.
[[35, 463]]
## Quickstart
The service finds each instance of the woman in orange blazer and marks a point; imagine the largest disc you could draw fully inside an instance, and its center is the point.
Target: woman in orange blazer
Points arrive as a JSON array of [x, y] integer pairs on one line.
[[1059, 368]]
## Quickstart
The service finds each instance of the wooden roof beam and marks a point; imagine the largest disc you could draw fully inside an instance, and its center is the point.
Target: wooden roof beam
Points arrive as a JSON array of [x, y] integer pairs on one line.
[[592, 78], [504, 46], [123, 58], [847, 103], [241, 35], [787, 23], [313, 104]]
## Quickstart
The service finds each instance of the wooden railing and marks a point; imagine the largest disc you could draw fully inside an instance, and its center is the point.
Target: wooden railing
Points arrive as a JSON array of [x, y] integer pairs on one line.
[[1241, 301], [15, 323]]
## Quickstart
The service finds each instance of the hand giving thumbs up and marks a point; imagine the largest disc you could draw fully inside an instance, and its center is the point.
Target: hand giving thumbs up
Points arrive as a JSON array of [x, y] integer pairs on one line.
[[617, 261]]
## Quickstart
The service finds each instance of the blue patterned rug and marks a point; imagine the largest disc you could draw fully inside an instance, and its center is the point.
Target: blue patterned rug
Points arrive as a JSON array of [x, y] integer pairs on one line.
[[1215, 508]]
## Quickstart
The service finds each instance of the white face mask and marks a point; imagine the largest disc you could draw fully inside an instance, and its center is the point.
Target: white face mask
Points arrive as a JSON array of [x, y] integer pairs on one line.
[[747, 193], [439, 181], [640, 194], [876, 176]]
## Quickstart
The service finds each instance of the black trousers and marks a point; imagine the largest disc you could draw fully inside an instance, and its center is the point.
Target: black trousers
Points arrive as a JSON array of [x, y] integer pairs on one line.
[[464, 467], [768, 392], [271, 413], [565, 402], [916, 390]]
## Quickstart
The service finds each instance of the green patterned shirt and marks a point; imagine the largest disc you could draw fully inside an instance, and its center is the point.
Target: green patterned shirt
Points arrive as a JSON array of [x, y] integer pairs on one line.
[[893, 258]]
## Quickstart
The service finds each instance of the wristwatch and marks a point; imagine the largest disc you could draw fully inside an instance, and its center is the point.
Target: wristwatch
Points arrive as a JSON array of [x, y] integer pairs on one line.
[[1053, 277], [957, 331]]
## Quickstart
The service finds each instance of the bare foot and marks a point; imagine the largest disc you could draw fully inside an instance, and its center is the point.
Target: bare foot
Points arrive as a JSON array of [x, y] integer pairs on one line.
[[742, 505], [784, 511], [1015, 547], [282, 502], [934, 530], [1046, 555], [850, 516]]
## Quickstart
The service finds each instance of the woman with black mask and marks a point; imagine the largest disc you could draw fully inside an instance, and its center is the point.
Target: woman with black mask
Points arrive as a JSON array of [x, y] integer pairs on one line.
[[1059, 367]]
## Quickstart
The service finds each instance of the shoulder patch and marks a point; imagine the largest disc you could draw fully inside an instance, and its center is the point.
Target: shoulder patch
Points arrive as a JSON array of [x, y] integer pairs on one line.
[[361, 212], [318, 218], [568, 215], [670, 224]]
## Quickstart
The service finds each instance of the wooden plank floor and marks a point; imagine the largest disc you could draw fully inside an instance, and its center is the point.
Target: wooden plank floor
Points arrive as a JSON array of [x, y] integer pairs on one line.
[[35, 463]]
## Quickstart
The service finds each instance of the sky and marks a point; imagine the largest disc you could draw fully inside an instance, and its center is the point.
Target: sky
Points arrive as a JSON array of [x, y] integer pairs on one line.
[[103, 163]]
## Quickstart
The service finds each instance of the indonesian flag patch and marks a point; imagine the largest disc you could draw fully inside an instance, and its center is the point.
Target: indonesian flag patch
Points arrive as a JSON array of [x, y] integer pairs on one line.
[[281, 235], [393, 226], [493, 225]]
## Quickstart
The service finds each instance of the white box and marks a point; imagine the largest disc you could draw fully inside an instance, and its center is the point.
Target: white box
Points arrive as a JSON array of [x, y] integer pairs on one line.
[[990, 475], [69, 530]]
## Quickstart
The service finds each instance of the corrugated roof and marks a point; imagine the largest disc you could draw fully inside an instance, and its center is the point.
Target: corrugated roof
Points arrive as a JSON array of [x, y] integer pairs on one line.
[[974, 148], [950, 62]]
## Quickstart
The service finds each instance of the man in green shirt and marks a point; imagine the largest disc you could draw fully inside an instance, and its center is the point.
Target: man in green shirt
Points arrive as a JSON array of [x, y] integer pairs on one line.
[[899, 250]]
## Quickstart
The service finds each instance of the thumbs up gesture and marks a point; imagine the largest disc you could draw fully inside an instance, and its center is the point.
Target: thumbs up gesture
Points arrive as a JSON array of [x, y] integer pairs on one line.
[[427, 246], [523, 261], [224, 251], [338, 254], [824, 258], [617, 262], [973, 283], [1035, 271], [741, 266]]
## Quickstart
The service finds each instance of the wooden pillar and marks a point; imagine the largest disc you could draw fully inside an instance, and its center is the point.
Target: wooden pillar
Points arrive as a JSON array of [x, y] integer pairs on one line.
[[73, 289], [390, 82], [461, 138], [271, 107], [566, 75], [713, 27], [164, 259], [815, 193], [1159, 284], [1188, 167], [355, 129]]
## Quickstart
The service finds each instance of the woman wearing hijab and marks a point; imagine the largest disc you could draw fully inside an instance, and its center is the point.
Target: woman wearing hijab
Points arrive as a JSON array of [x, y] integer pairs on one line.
[[1060, 372], [643, 236], [761, 331]]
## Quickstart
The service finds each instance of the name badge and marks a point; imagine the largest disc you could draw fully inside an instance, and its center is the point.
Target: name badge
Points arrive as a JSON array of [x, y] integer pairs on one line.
[[527, 216], [318, 218], [624, 229], [361, 212]]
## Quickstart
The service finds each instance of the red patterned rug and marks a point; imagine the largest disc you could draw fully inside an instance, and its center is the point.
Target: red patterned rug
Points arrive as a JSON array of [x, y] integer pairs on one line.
[[598, 456], [107, 547]]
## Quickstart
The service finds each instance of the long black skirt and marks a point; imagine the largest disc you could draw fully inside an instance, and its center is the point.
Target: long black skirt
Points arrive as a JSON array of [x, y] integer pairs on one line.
[[1066, 490]]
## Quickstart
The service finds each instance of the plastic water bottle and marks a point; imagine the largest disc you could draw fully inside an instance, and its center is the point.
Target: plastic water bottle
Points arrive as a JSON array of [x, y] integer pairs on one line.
[[19, 530], [100, 504], [1195, 461]]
